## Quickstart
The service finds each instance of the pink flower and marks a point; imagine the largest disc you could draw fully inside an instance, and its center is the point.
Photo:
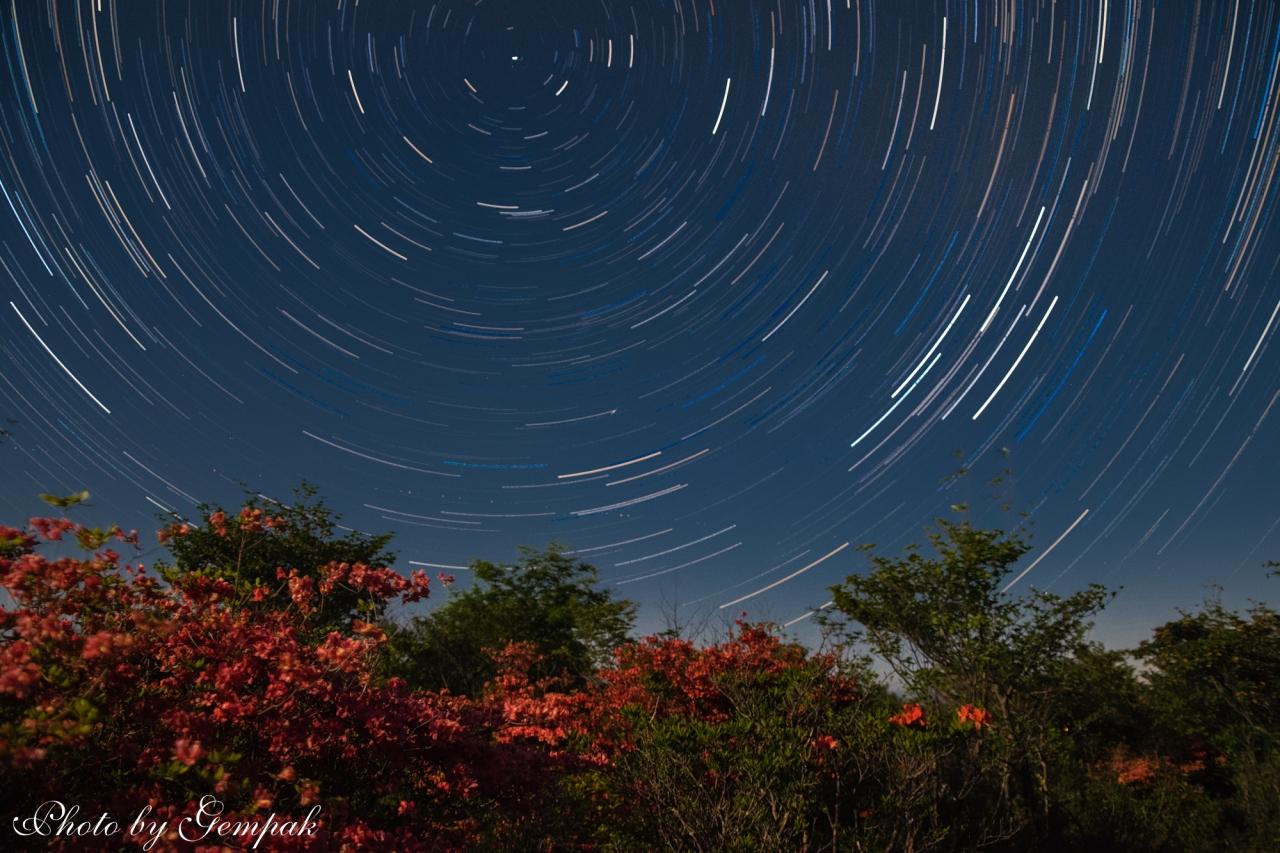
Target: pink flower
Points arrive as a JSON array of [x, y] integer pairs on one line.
[[187, 751]]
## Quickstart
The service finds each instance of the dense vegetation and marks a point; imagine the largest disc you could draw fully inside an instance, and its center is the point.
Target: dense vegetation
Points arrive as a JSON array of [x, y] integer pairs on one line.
[[262, 664]]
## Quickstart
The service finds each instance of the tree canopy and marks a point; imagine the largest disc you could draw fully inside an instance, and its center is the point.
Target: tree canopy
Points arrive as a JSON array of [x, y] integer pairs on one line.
[[546, 597]]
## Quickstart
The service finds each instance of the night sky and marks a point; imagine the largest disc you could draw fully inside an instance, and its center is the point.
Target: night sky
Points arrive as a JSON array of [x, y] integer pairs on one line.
[[712, 292]]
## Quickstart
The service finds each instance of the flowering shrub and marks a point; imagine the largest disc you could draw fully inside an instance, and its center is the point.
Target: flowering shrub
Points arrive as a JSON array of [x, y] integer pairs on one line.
[[736, 739], [117, 690]]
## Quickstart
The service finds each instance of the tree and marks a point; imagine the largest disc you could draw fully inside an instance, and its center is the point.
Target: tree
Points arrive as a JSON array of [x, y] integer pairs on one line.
[[1213, 677], [546, 598], [1217, 671], [266, 547], [945, 626], [948, 628]]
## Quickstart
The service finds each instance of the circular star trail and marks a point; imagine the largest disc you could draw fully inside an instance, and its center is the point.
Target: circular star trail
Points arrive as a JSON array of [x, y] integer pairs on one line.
[[711, 292]]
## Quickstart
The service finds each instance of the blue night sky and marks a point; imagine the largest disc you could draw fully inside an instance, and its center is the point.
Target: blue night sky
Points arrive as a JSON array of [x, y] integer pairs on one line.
[[711, 292]]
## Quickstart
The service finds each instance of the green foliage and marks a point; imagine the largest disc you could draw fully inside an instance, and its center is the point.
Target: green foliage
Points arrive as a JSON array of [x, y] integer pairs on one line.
[[945, 626], [66, 502], [1085, 750], [1099, 702], [1168, 812], [546, 598]]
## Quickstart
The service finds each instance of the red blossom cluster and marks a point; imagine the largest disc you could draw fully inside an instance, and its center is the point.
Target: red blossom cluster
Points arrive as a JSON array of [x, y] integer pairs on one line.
[[826, 743], [534, 711], [666, 677], [980, 717], [250, 519], [911, 717], [172, 531], [1130, 769]]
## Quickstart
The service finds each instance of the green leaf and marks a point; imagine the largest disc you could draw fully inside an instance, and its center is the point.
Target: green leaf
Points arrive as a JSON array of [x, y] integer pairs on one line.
[[93, 538], [69, 501]]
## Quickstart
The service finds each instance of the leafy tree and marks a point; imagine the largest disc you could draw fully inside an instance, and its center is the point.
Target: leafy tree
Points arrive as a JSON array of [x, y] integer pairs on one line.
[[546, 598], [1216, 672], [949, 629], [946, 628], [1214, 686], [1100, 702], [265, 547]]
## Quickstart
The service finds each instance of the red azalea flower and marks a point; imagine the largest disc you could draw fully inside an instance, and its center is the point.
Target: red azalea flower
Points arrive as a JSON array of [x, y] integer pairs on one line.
[[251, 519], [218, 521], [980, 717], [912, 716]]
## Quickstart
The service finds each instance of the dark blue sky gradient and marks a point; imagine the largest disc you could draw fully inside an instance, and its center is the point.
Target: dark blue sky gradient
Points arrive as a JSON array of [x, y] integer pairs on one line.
[[713, 293]]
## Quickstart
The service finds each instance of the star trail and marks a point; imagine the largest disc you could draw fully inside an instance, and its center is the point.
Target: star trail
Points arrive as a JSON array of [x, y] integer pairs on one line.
[[711, 292]]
